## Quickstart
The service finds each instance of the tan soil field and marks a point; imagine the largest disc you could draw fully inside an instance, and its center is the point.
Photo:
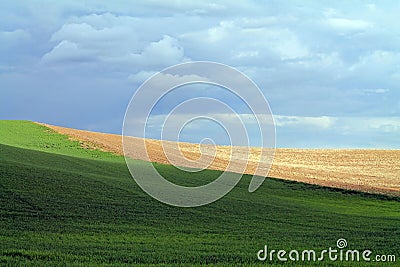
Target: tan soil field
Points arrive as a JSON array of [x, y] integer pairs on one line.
[[375, 171]]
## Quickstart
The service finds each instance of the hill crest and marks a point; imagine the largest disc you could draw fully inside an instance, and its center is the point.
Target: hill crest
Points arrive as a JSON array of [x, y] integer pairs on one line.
[[364, 170]]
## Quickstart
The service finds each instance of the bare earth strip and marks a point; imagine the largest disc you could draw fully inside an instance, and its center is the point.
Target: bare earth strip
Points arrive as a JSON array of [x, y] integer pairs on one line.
[[376, 171]]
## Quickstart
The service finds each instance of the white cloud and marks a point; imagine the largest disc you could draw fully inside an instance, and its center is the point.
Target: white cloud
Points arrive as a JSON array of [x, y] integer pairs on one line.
[[246, 54], [70, 52], [89, 35], [379, 68], [140, 76], [115, 45], [377, 59], [348, 25], [384, 124], [164, 52], [323, 122], [107, 21], [248, 39], [376, 91]]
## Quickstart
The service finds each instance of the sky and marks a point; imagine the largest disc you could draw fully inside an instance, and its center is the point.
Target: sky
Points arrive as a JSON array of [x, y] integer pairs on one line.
[[330, 70]]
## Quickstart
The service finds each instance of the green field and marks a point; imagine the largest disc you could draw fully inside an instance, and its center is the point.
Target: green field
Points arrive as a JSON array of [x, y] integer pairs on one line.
[[68, 206]]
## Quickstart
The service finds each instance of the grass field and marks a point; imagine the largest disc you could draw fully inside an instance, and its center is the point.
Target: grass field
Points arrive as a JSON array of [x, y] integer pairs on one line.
[[65, 205]]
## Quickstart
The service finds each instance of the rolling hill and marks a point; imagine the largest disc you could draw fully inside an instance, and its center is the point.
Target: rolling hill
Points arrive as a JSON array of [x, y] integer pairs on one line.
[[67, 205], [367, 170]]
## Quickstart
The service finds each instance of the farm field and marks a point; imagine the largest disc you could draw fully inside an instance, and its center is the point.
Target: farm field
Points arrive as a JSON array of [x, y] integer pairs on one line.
[[375, 171], [68, 205]]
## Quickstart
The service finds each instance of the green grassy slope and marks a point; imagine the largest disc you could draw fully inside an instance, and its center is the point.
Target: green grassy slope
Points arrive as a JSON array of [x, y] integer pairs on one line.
[[26, 134], [61, 204]]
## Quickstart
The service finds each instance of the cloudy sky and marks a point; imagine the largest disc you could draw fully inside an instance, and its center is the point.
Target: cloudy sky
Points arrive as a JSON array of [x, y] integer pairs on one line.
[[329, 69]]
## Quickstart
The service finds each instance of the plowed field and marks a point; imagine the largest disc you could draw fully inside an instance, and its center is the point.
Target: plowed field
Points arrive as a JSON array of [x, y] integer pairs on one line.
[[376, 171]]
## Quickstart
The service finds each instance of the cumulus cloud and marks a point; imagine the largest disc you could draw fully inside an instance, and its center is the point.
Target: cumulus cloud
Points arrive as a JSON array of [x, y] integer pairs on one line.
[[140, 76], [250, 40], [113, 45], [67, 51], [348, 25], [164, 52]]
